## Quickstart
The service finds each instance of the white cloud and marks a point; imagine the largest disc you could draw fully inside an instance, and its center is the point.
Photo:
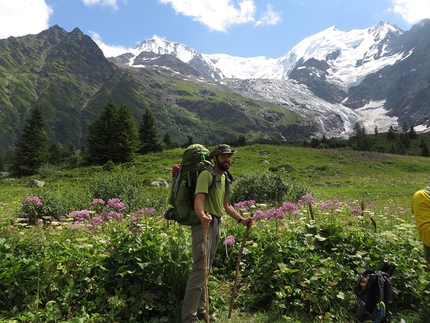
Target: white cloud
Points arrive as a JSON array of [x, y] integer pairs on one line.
[[269, 17], [221, 14], [109, 50], [23, 17], [111, 3], [412, 11]]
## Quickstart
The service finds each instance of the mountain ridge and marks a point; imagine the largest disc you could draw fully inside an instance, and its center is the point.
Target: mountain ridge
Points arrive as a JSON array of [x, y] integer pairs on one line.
[[68, 74], [340, 68], [192, 95]]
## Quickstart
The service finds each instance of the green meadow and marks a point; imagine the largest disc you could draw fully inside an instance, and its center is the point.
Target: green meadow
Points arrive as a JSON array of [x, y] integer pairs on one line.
[[322, 217]]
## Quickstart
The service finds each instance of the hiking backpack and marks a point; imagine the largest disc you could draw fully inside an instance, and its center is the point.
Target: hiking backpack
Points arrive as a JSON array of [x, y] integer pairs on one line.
[[195, 159], [374, 294]]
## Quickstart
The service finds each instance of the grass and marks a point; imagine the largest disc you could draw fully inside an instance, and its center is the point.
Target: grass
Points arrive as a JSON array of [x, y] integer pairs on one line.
[[330, 174], [345, 175]]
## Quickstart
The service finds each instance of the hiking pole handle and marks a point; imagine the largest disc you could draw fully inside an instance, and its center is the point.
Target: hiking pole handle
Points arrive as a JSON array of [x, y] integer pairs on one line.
[[233, 293], [205, 264]]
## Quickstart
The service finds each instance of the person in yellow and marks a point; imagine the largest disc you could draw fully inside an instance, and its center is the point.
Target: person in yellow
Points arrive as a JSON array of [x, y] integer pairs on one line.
[[420, 207]]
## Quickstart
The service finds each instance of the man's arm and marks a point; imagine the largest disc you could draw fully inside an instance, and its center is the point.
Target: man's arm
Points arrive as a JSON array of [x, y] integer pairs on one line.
[[230, 210], [199, 208]]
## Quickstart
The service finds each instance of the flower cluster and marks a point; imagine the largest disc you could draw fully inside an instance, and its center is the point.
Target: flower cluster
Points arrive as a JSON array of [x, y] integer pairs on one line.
[[97, 202], [229, 241], [32, 200], [116, 203], [244, 205]]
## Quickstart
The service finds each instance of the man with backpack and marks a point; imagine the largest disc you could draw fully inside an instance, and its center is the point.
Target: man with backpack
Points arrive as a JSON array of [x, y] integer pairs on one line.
[[209, 205], [420, 206]]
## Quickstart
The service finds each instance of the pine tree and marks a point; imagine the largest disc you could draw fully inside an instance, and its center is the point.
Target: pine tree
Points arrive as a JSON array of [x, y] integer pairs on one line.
[[392, 133], [412, 133], [148, 134], [30, 150], [101, 135], [422, 143], [166, 139], [54, 154], [358, 130], [128, 136], [425, 151], [2, 168], [241, 141], [113, 136], [190, 141], [405, 127]]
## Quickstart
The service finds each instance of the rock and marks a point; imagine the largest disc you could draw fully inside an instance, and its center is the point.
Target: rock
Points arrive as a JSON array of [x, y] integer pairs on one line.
[[160, 182], [35, 183]]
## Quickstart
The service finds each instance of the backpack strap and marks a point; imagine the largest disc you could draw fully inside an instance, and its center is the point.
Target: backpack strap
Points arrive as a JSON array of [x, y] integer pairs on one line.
[[385, 297], [229, 178], [228, 181], [215, 179]]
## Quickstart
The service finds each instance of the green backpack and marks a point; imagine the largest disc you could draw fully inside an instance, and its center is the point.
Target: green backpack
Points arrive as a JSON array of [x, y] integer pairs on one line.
[[195, 159]]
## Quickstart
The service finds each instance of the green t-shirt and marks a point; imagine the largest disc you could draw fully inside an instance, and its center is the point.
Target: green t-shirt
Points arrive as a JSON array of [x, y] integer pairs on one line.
[[214, 201]]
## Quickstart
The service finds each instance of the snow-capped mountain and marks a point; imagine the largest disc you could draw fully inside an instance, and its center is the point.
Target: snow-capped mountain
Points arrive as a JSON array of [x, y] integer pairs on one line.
[[337, 71], [160, 47], [350, 55]]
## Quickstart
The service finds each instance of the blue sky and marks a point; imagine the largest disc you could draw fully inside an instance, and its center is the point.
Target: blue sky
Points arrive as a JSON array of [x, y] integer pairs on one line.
[[243, 28]]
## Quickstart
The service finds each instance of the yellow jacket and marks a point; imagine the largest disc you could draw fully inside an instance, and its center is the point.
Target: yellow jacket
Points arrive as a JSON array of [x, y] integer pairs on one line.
[[420, 206]]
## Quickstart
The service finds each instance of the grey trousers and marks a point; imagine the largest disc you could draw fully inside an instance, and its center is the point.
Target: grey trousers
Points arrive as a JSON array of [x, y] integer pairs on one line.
[[194, 299]]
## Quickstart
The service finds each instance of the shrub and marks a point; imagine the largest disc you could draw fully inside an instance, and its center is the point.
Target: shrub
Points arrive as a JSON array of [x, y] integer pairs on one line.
[[264, 187], [48, 204]]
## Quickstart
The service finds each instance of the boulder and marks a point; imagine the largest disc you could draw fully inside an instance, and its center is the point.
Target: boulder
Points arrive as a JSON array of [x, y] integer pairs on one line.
[[35, 183]]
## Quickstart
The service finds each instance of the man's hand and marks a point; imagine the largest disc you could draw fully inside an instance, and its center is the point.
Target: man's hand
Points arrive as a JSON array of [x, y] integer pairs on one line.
[[247, 222], [206, 220]]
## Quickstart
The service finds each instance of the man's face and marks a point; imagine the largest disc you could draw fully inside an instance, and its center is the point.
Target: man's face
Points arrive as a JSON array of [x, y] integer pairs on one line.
[[223, 161]]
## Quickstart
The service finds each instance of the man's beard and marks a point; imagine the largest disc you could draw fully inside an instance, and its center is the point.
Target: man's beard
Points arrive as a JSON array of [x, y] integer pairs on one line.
[[223, 166]]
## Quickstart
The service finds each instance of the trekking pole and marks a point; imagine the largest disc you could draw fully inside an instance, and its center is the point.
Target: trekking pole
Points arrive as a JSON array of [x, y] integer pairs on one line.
[[233, 294], [205, 264]]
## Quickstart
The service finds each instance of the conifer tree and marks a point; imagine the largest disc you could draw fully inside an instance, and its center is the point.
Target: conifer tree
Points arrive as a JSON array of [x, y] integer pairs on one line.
[[425, 151], [101, 135], [128, 136], [190, 141], [148, 134], [241, 141], [168, 143], [30, 150], [167, 140], [2, 168], [392, 133], [412, 133], [113, 136], [54, 154]]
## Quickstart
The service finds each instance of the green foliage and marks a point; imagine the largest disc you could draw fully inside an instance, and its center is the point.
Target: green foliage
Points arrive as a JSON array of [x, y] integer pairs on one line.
[[30, 152], [54, 154], [272, 187], [2, 167], [146, 273], [148, 134], [128, 136], [51, 204], [113, 136], [48, 275], [293, 268], [125, 184]]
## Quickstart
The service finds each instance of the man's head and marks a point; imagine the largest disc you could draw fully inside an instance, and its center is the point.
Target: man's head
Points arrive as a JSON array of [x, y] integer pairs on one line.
[[222, 156]]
